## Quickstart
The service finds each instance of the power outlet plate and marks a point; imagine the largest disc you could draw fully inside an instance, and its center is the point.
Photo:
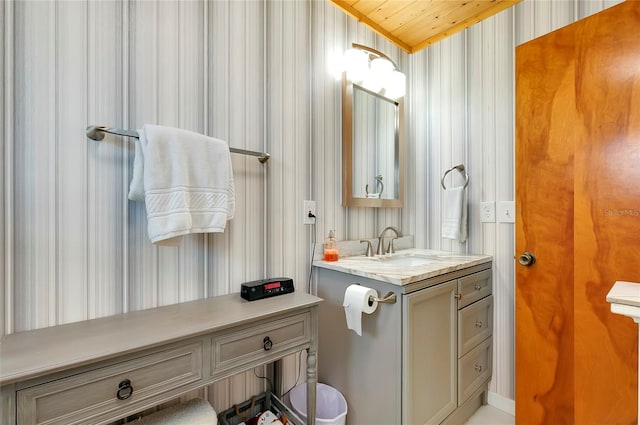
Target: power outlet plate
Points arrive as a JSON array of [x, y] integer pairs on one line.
[[308, 207], [488, 212]]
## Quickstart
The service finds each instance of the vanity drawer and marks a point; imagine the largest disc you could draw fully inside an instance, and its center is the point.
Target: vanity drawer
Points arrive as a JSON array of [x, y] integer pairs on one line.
[[475, 324], [234, 349], [89, 397], [474, 287], [474, 369]]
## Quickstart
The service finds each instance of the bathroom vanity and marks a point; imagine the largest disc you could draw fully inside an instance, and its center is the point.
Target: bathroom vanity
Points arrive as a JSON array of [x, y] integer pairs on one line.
[[101, 370], [425, 359]]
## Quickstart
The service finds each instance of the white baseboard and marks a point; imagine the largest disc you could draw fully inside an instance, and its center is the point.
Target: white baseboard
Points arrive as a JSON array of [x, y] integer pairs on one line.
[[503, 403]]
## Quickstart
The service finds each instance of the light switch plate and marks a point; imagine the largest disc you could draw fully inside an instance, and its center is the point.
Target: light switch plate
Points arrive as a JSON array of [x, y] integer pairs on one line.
[[507, 212]]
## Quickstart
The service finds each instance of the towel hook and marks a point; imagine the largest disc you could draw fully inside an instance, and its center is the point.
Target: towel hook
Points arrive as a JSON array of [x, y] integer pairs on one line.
[[460, 169]]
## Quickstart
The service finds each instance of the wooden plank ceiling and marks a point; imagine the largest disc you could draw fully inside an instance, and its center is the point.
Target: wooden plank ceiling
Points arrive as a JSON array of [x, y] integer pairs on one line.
[[416, 24]]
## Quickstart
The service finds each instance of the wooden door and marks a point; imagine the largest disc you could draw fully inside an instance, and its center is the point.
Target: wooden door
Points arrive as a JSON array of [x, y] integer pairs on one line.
[[578, 212], [544, 226]]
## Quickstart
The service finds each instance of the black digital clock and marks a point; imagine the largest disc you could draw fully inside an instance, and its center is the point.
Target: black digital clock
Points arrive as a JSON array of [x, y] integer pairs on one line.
[[265, 288]]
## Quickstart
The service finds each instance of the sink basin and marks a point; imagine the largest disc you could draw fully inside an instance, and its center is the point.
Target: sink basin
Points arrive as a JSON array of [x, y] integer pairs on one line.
[[400, 260], [409, 260]]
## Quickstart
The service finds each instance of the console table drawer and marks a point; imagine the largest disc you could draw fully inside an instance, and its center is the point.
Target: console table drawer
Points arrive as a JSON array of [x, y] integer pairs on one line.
[[237, 348], [88, 397], [475, 324], [474, 369]]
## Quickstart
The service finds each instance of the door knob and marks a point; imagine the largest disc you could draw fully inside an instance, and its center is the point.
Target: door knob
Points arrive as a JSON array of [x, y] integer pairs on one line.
[[527, 259]]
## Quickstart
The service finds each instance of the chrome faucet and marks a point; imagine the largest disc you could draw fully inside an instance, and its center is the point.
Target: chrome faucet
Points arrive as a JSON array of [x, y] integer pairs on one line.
[[390, 248]]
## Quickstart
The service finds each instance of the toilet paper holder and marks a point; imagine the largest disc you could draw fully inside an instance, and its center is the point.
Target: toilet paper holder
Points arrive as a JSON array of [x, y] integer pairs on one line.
[[390, 298]]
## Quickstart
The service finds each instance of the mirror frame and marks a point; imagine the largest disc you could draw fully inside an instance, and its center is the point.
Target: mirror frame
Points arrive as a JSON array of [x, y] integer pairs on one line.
[[347, 152]]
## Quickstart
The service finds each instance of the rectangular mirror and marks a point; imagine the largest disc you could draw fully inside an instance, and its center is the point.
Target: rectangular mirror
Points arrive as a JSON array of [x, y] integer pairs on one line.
[[371, 148]]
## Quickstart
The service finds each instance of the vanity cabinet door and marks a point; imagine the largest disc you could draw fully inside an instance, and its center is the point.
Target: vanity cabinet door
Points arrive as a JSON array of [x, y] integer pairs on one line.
[[430, 350]]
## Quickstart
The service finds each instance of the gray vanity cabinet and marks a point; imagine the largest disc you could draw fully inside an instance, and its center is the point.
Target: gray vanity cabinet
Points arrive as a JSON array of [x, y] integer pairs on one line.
[[424, 360]]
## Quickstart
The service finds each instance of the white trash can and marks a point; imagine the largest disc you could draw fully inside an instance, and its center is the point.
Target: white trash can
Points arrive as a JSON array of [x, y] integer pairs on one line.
[[331, 407]]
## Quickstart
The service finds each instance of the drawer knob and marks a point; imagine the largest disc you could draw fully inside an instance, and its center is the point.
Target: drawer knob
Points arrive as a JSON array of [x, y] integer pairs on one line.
[[458, 296], [478, 368], [267, 344], [478, 287], [125, 390], [478, 323]]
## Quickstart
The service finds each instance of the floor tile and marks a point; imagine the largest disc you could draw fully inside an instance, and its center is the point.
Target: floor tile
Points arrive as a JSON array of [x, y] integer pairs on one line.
[[489, 415]]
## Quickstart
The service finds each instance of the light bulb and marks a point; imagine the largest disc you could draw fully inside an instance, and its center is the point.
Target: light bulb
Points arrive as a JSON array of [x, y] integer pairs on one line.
[[381, 68], [356, 64], [396, 85], [336, 64]]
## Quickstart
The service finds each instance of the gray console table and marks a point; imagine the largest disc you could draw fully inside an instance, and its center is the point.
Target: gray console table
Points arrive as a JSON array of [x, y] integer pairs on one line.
[[101, 370]]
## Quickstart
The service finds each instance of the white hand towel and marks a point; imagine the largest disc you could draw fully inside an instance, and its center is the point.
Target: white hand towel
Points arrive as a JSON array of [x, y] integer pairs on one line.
[[454, 214], [186, 181]]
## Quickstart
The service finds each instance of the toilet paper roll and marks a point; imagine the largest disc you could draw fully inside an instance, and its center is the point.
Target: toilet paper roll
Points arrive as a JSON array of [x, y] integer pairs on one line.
[[356, 302]]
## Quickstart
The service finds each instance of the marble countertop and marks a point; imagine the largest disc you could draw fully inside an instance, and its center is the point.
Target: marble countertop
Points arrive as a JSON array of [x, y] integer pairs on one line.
[[627, 293], [379, 268]]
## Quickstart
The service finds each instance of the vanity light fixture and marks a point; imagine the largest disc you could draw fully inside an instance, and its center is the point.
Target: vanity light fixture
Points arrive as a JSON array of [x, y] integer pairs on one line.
[[374, 71]]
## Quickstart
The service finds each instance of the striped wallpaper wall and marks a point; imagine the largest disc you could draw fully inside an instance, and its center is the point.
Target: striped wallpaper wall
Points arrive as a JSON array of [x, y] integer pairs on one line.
[[254, 73]]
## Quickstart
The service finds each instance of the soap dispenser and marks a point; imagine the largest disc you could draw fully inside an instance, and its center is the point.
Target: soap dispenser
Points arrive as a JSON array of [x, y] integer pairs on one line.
[[330, 249]]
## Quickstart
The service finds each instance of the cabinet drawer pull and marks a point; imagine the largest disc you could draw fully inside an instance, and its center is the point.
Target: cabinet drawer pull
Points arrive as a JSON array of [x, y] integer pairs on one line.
[[478, 368], [267, 344], [478, 287], [458, 296], [125, 390], [478, 323]]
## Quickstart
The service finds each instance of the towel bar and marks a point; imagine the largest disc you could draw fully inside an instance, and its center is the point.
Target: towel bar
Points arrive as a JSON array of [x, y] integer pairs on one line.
[[96, 132], [460, 168]]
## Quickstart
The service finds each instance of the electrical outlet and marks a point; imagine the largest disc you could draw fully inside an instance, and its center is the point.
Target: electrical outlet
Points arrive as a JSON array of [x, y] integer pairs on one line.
[[308, 207], [507, 212], [487, 212]]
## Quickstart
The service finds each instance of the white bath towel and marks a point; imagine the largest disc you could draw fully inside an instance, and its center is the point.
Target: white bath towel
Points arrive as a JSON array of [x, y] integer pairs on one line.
[[454, 214], [185, 180], [192, 412]]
